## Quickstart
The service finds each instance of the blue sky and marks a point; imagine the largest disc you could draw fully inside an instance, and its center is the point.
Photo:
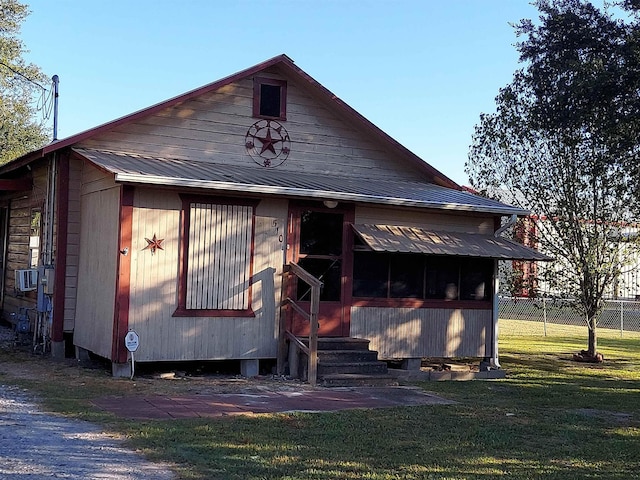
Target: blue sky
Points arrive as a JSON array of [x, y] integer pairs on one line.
[[421, 70]]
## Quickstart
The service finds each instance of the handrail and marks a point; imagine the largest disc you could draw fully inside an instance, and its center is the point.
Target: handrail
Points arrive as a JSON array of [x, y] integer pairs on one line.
[[297, 341], [312, 317], [304, 275]]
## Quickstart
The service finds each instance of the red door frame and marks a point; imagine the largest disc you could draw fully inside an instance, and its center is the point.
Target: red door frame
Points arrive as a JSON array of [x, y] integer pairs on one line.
[[293, 251]]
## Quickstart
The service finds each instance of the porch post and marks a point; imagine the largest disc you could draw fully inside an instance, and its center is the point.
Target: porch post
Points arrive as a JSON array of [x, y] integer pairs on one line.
[[119, 354]]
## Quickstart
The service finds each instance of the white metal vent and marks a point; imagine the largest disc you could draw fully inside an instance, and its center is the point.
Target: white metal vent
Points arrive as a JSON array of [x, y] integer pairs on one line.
[[26, 280]]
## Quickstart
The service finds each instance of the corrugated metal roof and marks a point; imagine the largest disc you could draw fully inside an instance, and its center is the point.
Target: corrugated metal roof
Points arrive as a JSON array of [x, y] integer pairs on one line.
[[132, 168], [386, 238]]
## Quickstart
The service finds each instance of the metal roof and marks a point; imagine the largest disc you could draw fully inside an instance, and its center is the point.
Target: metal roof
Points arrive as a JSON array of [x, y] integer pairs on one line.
[[386, 238], [133, 168]]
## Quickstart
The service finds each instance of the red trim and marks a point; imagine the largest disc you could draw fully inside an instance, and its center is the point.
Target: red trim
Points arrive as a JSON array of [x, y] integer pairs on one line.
[[62, 228], [347, 268], [185, 220], [417, 303], [16, 184], [183, 312], [121, 317], [288, 67]]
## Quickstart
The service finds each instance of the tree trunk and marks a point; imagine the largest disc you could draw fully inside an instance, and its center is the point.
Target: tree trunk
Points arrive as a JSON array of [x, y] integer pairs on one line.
[[592, 347]]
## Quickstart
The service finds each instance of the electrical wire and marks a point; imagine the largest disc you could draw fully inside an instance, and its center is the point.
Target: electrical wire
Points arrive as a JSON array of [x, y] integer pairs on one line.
[[22, 75], [45, 100]]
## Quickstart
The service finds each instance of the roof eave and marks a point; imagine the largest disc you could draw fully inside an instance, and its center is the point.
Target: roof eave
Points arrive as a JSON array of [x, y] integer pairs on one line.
[[307, 193]]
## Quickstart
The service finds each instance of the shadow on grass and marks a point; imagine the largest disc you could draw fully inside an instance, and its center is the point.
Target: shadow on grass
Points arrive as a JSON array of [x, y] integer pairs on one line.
[[549, 418], [479, 441]]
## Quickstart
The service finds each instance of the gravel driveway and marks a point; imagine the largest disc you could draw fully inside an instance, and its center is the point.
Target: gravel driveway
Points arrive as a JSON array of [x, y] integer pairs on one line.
[[37, 445]]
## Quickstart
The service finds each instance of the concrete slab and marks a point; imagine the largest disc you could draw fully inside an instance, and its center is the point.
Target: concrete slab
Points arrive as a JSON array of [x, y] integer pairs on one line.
[[261, 402]]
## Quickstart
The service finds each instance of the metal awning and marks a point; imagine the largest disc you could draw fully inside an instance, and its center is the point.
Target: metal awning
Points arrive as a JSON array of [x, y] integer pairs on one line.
[[387, 238]]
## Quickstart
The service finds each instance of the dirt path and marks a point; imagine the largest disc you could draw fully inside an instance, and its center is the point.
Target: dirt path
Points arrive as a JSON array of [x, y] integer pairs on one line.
[[36, 445]]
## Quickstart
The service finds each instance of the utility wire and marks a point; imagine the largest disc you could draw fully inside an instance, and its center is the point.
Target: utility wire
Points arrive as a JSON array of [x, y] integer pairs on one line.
[[23, 76], [45, 101]]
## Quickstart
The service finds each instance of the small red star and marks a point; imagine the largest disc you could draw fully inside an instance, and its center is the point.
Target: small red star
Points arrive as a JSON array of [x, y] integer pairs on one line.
[[154, 244]]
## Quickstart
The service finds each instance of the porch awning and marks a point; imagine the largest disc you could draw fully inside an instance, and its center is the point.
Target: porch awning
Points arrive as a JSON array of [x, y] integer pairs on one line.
[[387, 238]]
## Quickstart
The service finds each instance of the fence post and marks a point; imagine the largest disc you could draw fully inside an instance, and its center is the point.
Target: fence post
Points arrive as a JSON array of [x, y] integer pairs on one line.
[[621, 318], [544, 314]]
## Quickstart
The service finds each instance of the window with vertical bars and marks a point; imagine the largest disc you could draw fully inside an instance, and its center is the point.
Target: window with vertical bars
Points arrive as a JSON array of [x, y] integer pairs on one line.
[[216, 259]]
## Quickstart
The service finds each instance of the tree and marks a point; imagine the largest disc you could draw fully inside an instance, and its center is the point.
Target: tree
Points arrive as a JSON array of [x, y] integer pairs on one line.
[[20, 132], [564, 143]]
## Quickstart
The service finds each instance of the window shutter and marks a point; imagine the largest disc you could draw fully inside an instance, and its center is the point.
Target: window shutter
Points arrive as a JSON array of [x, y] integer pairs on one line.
[[219, 257]]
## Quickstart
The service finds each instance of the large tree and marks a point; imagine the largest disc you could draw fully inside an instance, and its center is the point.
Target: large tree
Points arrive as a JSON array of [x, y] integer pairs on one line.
[[20, 86], [563, 143]]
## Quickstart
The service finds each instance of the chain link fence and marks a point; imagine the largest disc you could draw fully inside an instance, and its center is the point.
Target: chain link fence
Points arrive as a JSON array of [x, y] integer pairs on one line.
[[555, 317]]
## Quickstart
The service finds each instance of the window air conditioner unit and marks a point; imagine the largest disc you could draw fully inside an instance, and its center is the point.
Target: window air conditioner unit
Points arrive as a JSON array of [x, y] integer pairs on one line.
[[26, 280]]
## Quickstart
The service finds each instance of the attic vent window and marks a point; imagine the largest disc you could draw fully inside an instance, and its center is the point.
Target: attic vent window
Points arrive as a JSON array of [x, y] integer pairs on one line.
[[269, 98]]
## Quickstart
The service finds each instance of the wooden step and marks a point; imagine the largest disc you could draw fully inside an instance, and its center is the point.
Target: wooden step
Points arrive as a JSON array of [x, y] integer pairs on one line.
[[347, 356], [340, 343]]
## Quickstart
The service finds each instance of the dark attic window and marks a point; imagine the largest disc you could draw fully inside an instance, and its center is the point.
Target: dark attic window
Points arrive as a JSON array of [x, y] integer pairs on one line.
[[269, 98]]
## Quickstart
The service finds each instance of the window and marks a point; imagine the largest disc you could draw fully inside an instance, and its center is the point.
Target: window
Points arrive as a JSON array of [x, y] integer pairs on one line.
[[269, 98], [34, 237], [422, 277], [216, 258]]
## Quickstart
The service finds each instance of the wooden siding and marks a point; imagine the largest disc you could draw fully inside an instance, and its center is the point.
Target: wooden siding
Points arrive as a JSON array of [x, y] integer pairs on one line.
[[20, 207], [97, 262], [154, 294], [415, 333], [427, 220], [212, 128]]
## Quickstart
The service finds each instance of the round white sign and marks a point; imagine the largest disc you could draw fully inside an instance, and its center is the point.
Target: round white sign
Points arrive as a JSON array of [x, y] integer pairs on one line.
[[132, 341]]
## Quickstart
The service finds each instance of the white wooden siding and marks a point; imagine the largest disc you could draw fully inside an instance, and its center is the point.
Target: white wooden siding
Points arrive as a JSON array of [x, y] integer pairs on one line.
[[212, 128], [219, 257], [423, 332], [154, 293], [97, 263], [427, 220]]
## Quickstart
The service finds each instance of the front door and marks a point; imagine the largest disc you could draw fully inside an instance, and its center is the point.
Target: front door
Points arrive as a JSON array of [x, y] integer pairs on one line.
[[319, 243]]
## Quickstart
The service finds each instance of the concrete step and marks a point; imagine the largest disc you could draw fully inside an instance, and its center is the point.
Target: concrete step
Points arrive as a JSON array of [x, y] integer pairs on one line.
[[367, 368], [357, 380]]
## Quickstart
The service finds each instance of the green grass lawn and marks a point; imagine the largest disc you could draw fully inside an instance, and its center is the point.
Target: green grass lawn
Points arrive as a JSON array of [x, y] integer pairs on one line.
[[550, 418]]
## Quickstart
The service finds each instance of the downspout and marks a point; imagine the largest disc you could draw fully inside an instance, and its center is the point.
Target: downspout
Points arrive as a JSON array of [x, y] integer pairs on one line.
[[495, 363]]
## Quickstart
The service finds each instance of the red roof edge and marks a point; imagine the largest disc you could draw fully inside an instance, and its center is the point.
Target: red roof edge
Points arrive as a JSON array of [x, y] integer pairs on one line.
[[282, 61], [438, 177], [59, 144]]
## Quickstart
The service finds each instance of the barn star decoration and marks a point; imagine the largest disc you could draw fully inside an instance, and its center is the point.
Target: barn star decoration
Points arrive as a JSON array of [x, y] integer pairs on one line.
[[154, 244]]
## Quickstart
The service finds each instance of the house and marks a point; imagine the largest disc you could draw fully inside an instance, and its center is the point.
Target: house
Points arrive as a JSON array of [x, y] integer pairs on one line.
[[530, 279], [177, 222]]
